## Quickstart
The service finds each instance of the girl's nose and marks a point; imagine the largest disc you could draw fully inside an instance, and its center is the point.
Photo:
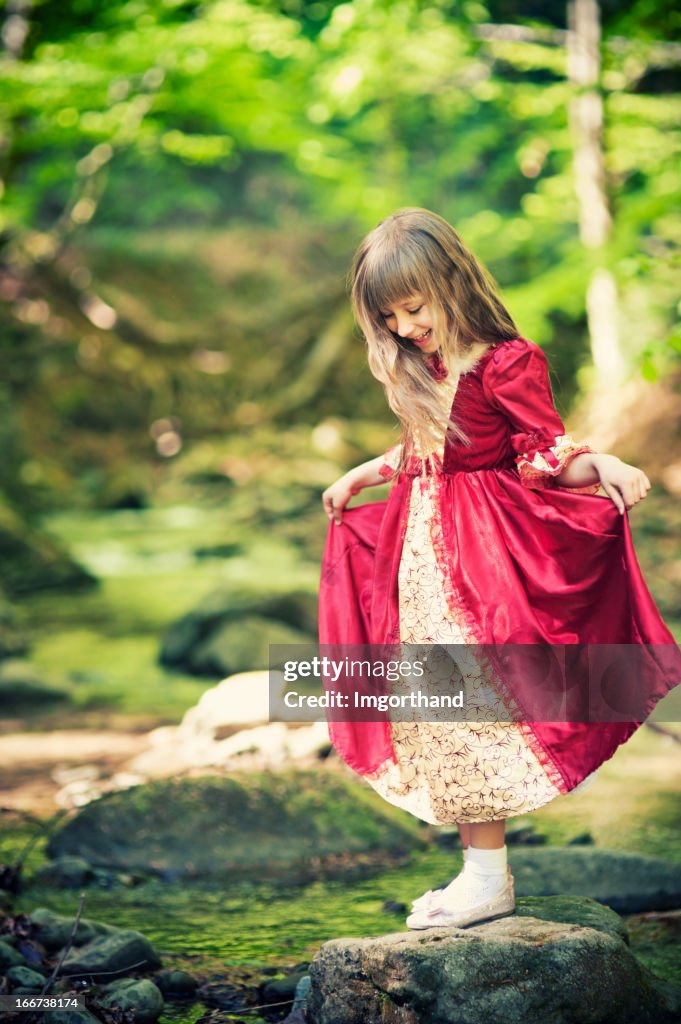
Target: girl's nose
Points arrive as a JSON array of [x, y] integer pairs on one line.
[[403, 326]]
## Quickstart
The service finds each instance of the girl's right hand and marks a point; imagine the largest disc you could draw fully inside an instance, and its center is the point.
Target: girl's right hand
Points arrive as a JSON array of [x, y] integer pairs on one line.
[[336, 497]]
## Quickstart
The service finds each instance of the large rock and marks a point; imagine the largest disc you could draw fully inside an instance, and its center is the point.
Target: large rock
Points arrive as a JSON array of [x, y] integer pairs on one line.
[[13, 639], [54, 930], [519, 970], [627, 882], [69, 1017], [231, 630], [22, 687], [284, 826], [137, 994], [212, 733], [31, 560], [110, 955], [10, 957]]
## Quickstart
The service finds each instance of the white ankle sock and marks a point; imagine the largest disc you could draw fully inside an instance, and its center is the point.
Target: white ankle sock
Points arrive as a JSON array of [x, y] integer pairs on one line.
[[487, 862]]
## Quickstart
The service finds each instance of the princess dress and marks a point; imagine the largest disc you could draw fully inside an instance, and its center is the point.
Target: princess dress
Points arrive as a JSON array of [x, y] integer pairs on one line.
[[488, 550]]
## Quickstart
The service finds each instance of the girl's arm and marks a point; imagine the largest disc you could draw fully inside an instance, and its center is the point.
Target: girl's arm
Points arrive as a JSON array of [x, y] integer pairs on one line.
[[336, 497], [625, 485]]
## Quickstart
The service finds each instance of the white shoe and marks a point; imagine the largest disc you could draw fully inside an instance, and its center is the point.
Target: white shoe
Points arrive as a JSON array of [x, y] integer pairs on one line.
[[434, 896], [471, 911]]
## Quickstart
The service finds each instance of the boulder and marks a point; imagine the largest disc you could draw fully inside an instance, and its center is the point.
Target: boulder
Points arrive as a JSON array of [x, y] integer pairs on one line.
[[110, 955], [10, 957], [521, 969], [68, 1017], [138, 994], [175, 984], [13, 639], [289, 826], [26, 978], [627, 882], [230, 630], [31, 560], [22, 687], [54, 930], [66, 873], [240, 645]]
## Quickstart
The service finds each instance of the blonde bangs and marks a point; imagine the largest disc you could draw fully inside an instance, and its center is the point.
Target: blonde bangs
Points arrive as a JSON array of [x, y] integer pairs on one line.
[[385, 276]]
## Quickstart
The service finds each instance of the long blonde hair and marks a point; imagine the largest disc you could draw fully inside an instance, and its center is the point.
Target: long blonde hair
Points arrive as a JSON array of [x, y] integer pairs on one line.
[[414, 250]]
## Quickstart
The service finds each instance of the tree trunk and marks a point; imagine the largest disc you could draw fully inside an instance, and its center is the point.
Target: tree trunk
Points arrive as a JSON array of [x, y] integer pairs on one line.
[[586, 123]]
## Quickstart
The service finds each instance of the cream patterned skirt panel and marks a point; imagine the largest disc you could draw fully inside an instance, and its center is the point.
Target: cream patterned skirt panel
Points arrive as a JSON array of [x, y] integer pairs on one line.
[[452, 771]]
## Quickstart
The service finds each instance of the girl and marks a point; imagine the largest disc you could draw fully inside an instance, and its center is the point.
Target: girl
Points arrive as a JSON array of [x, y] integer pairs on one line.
[[492, 534]]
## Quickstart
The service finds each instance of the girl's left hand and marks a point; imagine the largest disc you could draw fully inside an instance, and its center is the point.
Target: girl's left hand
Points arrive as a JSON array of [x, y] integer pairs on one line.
[[625, 485]]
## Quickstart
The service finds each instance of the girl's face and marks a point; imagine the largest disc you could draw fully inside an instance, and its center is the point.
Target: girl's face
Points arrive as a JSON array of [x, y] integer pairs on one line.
[[412, 320]]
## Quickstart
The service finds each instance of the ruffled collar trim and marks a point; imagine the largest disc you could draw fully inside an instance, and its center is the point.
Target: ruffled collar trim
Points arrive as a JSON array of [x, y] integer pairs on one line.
[[436, 368], [438, 371]]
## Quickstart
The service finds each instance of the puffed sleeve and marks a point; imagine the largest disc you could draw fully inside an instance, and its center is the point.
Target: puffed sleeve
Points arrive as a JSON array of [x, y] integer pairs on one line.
[[391, 462], [516, 381]]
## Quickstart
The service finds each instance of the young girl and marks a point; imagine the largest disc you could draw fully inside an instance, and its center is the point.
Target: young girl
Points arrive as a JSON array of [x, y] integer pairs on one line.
[[492, 534]]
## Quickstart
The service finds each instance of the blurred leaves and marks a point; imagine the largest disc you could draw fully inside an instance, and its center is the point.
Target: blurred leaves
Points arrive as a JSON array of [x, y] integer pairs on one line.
[[183, 178]]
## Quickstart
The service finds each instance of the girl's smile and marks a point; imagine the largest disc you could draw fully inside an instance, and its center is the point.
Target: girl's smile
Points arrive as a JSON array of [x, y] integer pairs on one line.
[[412, 321]]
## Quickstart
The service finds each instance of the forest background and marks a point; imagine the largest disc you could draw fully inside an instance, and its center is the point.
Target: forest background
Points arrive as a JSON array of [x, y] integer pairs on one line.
[[183, 186]]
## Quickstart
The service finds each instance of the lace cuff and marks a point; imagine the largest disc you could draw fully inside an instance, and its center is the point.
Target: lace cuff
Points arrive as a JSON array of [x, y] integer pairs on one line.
[[391, 461], [539, 461]]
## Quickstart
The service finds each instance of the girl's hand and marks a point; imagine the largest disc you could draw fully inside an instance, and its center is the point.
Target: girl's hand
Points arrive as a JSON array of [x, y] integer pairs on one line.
[[625, 485], [336, 497]]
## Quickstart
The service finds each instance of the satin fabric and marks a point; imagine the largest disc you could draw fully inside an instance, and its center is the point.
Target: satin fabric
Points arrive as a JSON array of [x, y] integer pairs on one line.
[[526, 562]]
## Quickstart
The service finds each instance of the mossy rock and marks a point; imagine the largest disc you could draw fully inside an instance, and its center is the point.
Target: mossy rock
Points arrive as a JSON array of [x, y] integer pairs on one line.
[[26, 978], [629, 883], [10, 957], [69, 1017], [137, 994], [289, 826], [31, 560], [521, 969], [13, 640], [54, 930], [573, 910], [120, 952], [230, 630], [21, 686], [242, 645]]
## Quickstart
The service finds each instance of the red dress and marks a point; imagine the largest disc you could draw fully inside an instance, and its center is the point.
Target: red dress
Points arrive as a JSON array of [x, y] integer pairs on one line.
[[489, 550]]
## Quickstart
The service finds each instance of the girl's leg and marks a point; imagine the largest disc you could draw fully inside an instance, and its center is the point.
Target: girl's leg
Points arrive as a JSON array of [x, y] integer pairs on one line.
[[486, 835], [465, 833]]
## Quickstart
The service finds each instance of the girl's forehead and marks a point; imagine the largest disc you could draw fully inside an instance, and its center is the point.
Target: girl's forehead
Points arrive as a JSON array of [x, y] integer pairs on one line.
[[405, 301]]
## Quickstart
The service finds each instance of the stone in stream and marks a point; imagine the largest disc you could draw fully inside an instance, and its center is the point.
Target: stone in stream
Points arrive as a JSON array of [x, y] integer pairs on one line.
[[33, 561], [66, 873], [230, 630], [518, 970], [68, 1017], [54, 930], [26, 978], [10, 957], [110, 955], [138, 994], [282, 826], [626, 882], [176, 984]]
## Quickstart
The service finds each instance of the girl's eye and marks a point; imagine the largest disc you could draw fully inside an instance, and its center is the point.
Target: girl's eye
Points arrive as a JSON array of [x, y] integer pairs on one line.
[[411, 312]]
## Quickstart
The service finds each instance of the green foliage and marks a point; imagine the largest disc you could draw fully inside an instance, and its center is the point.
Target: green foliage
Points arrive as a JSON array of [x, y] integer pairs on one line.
[[186, 180]]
